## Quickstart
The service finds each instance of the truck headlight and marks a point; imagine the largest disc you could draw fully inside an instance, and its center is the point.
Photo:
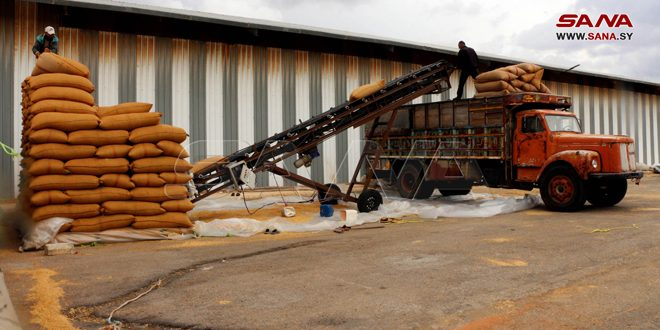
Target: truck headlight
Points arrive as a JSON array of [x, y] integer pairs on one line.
[[594, 163]]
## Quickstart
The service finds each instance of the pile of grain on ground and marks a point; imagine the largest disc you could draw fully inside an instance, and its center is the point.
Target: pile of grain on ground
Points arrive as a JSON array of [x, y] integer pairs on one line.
[[523, 77], [83, 162]]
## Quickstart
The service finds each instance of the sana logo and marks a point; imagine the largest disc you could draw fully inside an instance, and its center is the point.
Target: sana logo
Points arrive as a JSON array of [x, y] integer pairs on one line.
[[583, 20]]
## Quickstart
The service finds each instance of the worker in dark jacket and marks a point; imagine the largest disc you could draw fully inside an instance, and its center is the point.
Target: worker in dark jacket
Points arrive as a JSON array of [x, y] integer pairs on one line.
[[45, 42], [468, 62]]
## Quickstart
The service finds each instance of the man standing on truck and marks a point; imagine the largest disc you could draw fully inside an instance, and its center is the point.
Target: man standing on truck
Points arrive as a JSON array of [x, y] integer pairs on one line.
[[468, 62], [45, 42]]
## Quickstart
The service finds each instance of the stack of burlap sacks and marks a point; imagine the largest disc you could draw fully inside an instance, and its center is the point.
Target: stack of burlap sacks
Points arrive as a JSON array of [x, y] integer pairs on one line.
[[104, 167], [523, 77]]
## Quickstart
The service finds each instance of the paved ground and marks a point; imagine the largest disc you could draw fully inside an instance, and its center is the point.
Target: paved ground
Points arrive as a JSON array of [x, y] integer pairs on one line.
[[532, 269]]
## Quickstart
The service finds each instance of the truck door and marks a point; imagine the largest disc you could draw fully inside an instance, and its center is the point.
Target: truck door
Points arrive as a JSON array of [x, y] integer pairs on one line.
[[530, 142]]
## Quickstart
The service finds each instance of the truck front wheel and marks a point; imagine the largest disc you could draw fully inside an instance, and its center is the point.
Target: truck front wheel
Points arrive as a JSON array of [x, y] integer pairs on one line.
[[562, 190], [606, 192]]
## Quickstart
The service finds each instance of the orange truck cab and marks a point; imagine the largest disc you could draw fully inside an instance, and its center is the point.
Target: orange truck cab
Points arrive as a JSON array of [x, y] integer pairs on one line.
[[518, 141]]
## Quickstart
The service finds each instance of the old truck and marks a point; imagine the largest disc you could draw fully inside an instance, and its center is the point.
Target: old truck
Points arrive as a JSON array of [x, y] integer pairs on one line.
[[519, 141]]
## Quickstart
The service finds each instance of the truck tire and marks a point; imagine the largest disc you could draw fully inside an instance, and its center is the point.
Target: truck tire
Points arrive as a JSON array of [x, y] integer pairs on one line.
[[323, 196], [453, 192], [410, 182], [606, 192], [563, 190], [369, 200]]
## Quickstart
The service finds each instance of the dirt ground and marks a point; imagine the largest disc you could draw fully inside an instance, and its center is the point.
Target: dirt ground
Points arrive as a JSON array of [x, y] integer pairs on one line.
[[597, 268]]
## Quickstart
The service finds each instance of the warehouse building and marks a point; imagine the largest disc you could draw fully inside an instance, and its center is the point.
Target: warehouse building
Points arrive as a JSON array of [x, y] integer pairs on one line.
[[232, 81]]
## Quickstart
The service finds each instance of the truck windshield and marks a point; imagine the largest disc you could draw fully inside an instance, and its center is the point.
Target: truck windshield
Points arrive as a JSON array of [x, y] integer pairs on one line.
[[563, 123]]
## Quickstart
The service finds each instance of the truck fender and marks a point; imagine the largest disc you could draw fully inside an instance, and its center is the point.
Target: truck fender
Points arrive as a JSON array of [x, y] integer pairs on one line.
[[580, 160]]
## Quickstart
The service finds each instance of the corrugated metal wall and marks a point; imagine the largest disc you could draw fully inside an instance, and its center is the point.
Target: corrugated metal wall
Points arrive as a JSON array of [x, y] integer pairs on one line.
[[228, 96]]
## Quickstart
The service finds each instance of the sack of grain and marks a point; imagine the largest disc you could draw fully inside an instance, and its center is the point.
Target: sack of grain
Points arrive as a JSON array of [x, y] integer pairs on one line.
[[46, 166], [97, 137], [172, 149], [529, 67], [64, 121], [63, 182], [143, 150], [159, 194], [536, 81], [62, 106], [124, 108], [53, 63], [513, 69], [132, 207], [97, 166], [545, 89], [98, 195], [529, 88], [516, 83], [494, 86], [61, 93], [48, 197], [160, 164], [59, 80], [101, 223], [175, 177], [48, 135], [72, 211], [130, 121], [113, 151], [495, 75], [366, 90], [491, 94], [155, 134], [147, 180], [61, 151], [167, 220], [181, 205], [117, 180]]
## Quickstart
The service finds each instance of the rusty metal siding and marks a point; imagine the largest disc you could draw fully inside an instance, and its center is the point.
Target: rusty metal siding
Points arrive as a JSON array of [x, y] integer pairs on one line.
[[245, 104], [302, 95], [197, 133], [289, 98], [315, 108], [230, 99], [7, 110], [275, 100], [127, 62], [260, 93], [214, 115], [341, 95], [354, 136], [69, 41], [107, 88], [89, 55], [163, 59], [145, 70], [327, 85], [181, 84]]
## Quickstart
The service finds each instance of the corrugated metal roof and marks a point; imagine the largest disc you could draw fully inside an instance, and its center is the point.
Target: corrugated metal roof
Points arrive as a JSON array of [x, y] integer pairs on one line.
[[259, 24]]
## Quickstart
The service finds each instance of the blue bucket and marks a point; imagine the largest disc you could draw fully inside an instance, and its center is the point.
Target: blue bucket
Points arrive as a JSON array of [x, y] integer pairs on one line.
[[327, 210]]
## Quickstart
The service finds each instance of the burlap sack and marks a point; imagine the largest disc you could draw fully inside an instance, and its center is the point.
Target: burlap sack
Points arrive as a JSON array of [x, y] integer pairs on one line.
[[208, 162], [160, 164], [155, 134], [62, 106], [529, 67], [98, 195], [529, 88], [48, 197], [366, 90], [536, 81], [172, 149], [123, 108], [97, 166], [130, 121], [48, 135], [47, 166], [65, 227], [517, 83], [72, 211], [63, 182], [64, 121], [36, 71], [181, 205], [545, 89], [53, 63], [494, 86], [101, 223], [117, 180], [132, 207], [61, 151], [513, 69], [159, 194], [142, 150], [527, 77], [61, 93], [147, 180], [113, 151], [495, 75], [60, 80], [167, 220], [175, 178], [491, 94], [97, 137]]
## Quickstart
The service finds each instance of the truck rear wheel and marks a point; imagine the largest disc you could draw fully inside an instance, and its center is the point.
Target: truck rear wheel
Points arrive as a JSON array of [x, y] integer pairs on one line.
[[411, 184], [562, 190], [606, 192]]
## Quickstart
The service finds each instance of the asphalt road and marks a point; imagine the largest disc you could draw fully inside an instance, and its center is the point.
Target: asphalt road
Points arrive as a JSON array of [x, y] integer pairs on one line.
[[598, 268]]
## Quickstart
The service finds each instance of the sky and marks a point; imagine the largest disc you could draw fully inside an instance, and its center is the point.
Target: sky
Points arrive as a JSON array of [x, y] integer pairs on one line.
[[516, 29]]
